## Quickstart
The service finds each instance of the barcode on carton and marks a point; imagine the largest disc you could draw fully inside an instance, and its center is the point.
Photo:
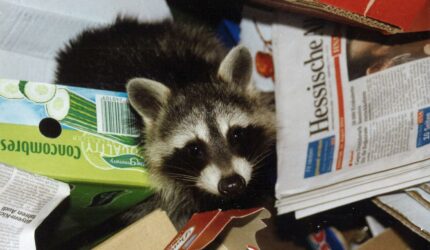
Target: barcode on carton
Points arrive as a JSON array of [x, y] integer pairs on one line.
[[114, 116]]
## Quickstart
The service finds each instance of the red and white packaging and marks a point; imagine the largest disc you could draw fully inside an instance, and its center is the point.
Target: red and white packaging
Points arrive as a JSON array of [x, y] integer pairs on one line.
[[204, 227]]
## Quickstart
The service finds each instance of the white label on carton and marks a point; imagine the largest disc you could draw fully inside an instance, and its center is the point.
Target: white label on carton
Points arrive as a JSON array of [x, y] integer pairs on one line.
[[184, 238]]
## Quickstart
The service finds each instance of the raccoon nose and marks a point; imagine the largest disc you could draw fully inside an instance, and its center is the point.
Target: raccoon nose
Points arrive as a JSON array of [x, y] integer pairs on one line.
[[232, 185]]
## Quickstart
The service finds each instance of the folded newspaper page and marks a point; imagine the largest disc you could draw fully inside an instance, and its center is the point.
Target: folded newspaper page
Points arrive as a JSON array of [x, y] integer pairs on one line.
[[353, 113], [256, 35], [25, 201], [411, 207]]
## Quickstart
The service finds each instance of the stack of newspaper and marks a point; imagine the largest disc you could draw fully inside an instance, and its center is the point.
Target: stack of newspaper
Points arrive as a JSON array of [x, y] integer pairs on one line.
[[353, 111]]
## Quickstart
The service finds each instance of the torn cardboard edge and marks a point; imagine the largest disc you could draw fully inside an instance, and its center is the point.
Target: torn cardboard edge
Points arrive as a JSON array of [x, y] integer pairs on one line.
[[237, 229], [420, 199], [395, 242], [203, 228], [426, 187], [154, 231], [400, 217], [342, 14]]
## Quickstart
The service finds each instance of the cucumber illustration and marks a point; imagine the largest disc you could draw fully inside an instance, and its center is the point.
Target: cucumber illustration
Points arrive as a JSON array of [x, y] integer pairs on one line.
[[80, 113], [10, 89], [59, 106], [37, 92]]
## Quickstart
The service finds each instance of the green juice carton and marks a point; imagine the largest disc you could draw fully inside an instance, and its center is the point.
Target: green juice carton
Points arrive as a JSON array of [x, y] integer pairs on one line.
[[85, 137]]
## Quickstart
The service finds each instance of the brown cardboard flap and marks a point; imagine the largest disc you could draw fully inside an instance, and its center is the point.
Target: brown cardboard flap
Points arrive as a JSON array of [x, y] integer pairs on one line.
[[243, 233], [387, 240], [153, 231]]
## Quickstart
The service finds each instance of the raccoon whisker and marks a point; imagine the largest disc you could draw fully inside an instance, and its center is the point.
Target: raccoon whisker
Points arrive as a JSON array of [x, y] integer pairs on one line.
[[258, 170], [187, 171], [267, 148], [259, 158], [182, 172], [182, 177], [184, 182], [188, 176]]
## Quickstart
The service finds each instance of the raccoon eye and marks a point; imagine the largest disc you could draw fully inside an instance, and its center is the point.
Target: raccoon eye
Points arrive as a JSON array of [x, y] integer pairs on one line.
[[194, 149], [237, 135], [244, 141]]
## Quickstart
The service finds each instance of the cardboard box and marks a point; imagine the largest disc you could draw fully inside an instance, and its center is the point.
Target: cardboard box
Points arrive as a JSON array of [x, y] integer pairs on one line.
[[240, 229], [155, 231], [63, 132], [394, 16], [388, 240], [236, 229]]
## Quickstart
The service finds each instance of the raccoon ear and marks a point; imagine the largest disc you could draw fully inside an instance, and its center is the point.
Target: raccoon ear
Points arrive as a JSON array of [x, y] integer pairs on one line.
[[147, 97], [237, 66]]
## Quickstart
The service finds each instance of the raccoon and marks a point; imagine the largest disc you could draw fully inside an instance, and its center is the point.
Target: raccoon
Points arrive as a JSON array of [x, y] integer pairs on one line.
[[207, 133]]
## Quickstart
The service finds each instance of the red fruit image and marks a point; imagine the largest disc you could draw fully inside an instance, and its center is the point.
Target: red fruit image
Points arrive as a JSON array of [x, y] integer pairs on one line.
[[264, 64]]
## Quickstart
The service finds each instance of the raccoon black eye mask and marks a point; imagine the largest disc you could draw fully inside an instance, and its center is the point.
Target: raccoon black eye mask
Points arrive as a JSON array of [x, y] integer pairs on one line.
[[197, 164], [207, 132]]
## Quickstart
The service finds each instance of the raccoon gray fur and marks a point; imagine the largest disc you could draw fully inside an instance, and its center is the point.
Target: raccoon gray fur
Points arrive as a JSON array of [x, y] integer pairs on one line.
[[207, 133]]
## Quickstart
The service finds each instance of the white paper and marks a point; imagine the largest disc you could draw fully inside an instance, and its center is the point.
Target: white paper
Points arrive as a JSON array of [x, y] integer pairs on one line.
[[32, 31], [375, 226], [256, 35], [25, 201]]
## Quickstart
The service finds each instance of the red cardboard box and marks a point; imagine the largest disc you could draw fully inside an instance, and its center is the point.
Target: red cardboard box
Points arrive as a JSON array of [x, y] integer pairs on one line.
[[393, 16]]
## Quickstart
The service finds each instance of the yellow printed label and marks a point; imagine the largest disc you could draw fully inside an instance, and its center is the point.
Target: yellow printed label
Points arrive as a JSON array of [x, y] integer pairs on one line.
[[73, 156]]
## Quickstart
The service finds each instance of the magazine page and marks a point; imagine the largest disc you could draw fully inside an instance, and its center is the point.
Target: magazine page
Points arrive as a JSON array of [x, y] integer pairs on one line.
[[25, 201], [346, 107]]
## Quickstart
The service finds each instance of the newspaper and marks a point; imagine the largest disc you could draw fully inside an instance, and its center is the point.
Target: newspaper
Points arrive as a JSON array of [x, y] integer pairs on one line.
[[33, 31], [25, 201], [353, 113]]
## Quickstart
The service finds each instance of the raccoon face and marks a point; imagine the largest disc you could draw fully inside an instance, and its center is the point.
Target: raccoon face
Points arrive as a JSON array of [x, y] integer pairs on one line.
[[210, 137]]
